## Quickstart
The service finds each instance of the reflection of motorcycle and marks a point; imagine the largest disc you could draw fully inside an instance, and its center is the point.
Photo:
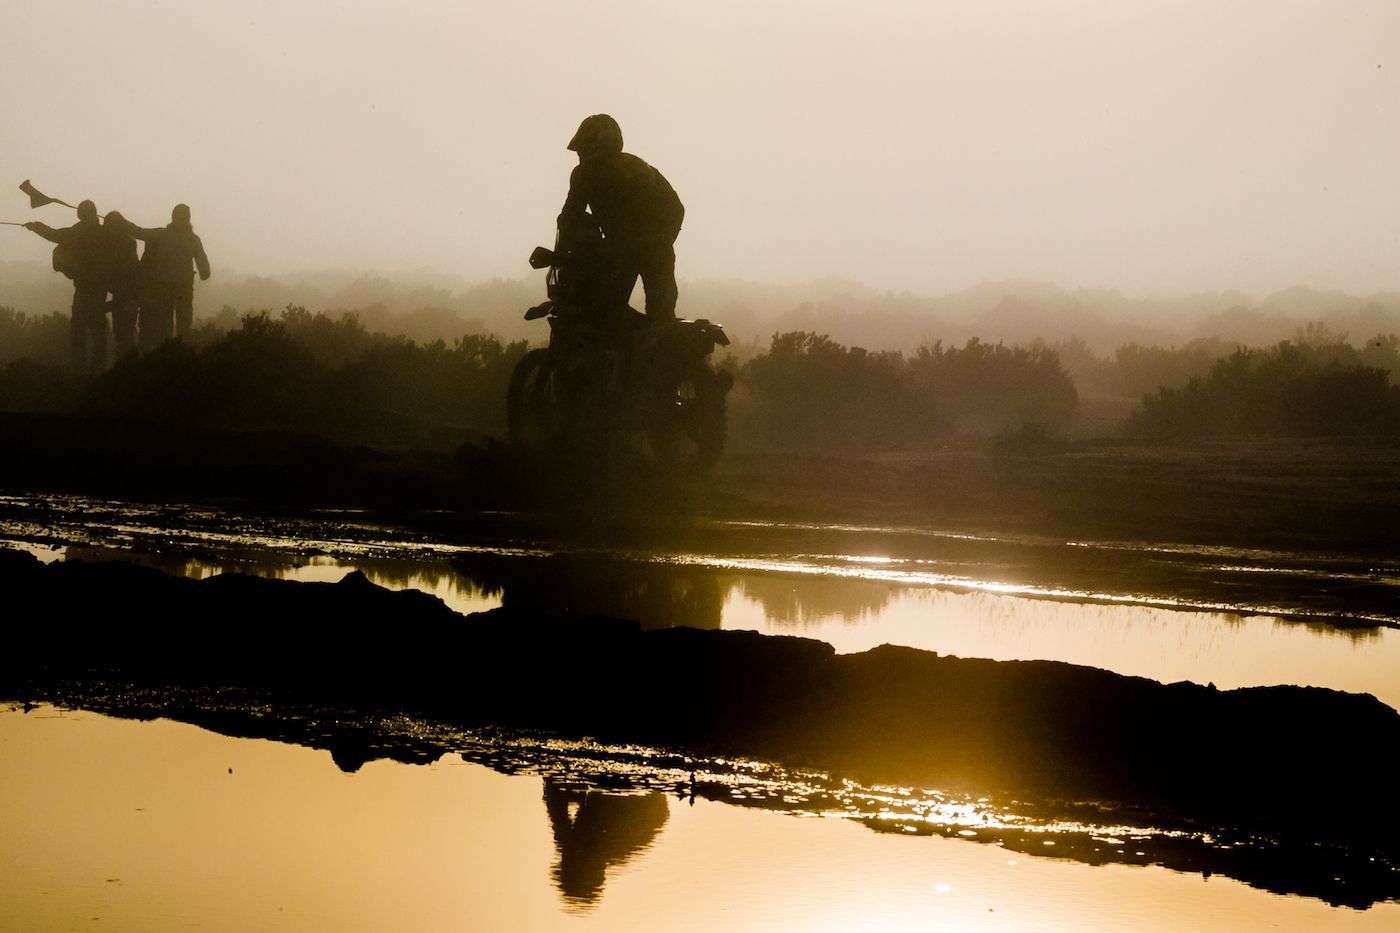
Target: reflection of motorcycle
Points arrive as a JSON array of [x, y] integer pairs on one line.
[[609, 375], [656, 594]]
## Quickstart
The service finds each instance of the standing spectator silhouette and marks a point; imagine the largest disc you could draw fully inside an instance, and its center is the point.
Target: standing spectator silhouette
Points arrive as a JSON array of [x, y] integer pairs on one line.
[[123, 269], [633, 204], [80, 254], [168, 265]]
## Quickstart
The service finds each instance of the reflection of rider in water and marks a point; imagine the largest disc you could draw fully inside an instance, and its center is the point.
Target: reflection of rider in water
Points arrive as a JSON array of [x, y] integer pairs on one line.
[[594, 830], [635, 207]]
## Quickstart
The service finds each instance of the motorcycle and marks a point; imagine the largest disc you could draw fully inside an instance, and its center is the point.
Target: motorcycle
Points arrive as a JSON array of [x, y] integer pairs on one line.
[[609, 375]]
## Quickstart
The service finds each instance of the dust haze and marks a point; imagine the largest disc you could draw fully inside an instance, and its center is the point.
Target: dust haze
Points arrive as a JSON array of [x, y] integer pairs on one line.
[[1157, 150]]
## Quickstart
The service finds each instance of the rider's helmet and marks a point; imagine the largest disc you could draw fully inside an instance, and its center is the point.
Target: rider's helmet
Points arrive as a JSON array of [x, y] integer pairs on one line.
[[180, 214], [87, 212], [598, 134]]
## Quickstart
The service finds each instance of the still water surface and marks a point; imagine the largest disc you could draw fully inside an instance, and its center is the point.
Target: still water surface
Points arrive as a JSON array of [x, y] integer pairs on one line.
[[1165, 612], [159, 826], [111, 824], [1168, 645]]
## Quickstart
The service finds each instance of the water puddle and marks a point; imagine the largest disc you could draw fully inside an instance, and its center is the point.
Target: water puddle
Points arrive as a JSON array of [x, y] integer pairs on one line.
[[955, 593], [158, 825]]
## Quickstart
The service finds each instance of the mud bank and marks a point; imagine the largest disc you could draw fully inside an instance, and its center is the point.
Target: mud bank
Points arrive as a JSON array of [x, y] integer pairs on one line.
[[1330, 494], [1276, 759]]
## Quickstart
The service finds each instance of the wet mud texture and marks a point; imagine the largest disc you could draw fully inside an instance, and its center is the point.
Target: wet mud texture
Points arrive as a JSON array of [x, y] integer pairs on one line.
[[1329, 494], [1297, 761]]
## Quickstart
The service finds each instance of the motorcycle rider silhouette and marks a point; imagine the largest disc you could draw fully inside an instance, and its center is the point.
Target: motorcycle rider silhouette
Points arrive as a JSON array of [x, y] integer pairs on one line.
[[632, 205], [611, 373]]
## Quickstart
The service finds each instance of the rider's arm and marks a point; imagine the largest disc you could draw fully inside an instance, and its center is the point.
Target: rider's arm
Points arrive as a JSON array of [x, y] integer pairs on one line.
[[576, 204]]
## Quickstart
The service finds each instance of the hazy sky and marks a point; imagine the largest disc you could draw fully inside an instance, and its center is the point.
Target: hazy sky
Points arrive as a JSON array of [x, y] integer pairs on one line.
[[1153, 147]]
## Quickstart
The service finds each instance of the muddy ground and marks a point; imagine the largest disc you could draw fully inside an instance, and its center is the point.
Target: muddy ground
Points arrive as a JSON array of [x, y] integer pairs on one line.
[[894, 715], [1329, 495]]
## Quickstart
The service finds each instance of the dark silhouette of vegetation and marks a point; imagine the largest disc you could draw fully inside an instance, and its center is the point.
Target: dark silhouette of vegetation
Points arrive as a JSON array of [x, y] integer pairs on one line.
[[808, 391], [336, 376], [1134, 370], [33, 336], [438, 390], [339, 333], [984, 388], [1295, 388], [311, 373]]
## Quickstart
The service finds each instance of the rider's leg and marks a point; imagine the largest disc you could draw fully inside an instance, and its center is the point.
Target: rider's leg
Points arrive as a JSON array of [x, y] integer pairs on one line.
[[658, 271]]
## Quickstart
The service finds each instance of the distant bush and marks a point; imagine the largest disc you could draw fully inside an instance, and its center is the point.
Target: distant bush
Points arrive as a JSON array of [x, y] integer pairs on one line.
[[42, 337], [334, 377], [1292, 388], [1382, 352], [985, 388], [374, 321], [808, 391], [1133, 370], [434, 389], [331, 341], [310, 373], [256, 376]]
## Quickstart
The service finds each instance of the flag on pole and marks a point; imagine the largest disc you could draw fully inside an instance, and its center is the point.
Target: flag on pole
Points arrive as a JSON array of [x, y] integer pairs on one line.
[[37, 198]]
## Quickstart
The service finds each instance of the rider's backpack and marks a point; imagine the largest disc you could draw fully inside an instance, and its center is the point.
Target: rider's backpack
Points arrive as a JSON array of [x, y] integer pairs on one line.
[[65, 259]]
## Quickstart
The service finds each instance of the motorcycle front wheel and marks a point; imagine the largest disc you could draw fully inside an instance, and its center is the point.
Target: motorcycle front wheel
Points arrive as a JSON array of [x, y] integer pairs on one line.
[[532, 402]]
